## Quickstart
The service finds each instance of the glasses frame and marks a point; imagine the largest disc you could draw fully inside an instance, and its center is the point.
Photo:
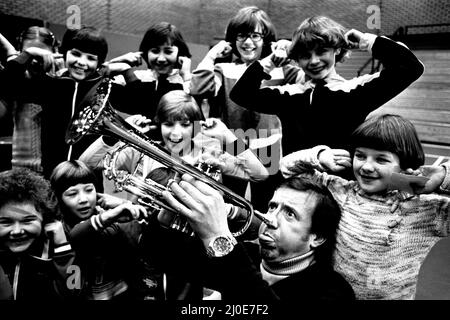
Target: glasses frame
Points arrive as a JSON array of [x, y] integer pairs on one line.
[[254, 36]]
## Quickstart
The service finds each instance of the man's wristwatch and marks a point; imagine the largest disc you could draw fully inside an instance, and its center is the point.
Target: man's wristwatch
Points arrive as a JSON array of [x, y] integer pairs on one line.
[[221, 246]]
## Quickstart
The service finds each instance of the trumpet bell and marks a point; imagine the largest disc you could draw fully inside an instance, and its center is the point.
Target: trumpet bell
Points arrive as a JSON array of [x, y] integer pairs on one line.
[[95, 115]]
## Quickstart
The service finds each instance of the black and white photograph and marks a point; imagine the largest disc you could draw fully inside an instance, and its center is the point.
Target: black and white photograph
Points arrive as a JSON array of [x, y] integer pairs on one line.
[[224, 158]]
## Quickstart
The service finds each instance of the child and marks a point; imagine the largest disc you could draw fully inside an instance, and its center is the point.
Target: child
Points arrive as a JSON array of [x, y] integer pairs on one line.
[[34, 254], [177, 118], [384, 234], [26, 138], [168, 60], [327, 108], [250, 35], [84, 52], [100, 231]]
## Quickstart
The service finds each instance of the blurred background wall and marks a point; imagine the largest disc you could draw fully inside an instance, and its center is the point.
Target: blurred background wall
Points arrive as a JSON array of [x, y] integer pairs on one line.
[[201, 21]]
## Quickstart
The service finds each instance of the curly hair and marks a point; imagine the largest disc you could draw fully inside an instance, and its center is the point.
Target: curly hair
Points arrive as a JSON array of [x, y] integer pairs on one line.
[[21, 185]]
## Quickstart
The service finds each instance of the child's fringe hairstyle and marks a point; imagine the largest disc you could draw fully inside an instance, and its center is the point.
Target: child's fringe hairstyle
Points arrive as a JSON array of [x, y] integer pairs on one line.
[[319, 31], [392, 133], [245, 21], [161, 33], [70, 173], [86, 39], [177, 105]]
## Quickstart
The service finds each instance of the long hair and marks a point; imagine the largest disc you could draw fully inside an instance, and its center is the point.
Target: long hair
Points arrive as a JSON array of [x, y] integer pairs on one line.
[[392, 133], [245, 21], [318, 31]]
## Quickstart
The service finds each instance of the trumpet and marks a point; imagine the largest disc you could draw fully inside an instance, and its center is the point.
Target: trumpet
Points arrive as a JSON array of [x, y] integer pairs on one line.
[[95, 115]]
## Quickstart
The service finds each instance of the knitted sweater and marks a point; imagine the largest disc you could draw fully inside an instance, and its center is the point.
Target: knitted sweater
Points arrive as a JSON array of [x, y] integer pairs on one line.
[[380, 252], [338, 105]]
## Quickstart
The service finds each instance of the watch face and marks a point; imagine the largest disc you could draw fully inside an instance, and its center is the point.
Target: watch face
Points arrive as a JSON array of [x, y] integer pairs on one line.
[[222, 244]]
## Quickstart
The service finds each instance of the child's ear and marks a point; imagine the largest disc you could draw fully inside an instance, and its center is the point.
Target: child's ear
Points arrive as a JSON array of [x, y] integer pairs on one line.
[[338, 51]]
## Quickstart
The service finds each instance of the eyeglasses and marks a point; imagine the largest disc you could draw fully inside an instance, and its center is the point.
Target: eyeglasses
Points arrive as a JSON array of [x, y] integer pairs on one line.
[[254, 36]]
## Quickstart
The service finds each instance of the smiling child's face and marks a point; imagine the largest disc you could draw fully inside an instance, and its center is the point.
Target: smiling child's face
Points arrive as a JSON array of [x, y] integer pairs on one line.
[[373, 169], [319, 62], [20, 226], [163, 58], [177, 135]]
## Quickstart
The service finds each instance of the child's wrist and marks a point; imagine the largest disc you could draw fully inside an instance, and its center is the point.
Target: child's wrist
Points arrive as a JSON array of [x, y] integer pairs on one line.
[[235, 147]]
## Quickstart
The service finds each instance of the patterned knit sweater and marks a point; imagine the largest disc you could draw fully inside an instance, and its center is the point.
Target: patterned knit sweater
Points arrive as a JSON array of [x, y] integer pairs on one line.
[[380, 252]]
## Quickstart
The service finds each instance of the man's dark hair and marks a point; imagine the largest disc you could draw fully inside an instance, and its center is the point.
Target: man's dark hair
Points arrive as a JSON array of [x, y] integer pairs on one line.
[[326, 215], [21, 185]]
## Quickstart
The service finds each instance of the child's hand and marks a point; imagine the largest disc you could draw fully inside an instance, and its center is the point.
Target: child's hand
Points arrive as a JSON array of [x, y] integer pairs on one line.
[[279, 52], [211, 157], [353, 38], [133, 59], [141, 123], [185, 67], [215, 128], [335, 160], [435, 175], [220, 50], [124, 213], [107, 201], [55, 232], [45, 57]]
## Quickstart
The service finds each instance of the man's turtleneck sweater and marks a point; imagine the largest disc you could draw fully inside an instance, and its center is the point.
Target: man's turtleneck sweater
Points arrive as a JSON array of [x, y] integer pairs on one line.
[[275, 271], [241, 275]]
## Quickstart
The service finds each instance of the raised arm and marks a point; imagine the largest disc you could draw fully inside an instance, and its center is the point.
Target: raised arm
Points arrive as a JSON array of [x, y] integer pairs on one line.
[[400, 68], [234, 158], [206, 80], [205, 209]]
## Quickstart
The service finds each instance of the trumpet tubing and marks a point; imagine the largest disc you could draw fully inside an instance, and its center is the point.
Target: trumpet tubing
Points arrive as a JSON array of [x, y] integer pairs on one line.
[[96, 116]]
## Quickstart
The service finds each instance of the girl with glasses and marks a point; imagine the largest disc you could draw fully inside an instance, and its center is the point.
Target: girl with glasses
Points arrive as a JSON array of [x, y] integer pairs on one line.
[[249, 37]]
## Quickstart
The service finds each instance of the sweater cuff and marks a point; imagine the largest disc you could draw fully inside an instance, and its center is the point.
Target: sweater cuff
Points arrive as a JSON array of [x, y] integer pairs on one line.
[[259, 68], [314, 160], [445, 186], [22, 59], [206, 64], [366, 42], [63, 247], [130, 76]]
